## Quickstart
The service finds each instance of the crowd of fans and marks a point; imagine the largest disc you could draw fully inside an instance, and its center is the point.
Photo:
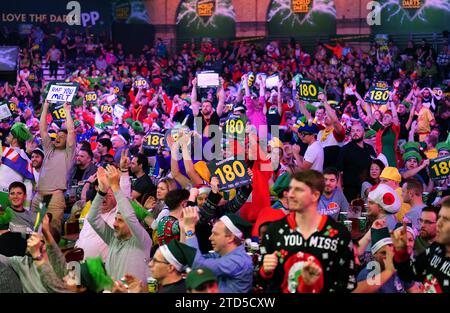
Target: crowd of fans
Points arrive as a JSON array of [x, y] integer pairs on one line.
[[336, 184]]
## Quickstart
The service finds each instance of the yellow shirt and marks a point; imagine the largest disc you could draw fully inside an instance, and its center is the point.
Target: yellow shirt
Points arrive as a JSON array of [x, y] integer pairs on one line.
[[431, 154], [404, 208], [423, 121]]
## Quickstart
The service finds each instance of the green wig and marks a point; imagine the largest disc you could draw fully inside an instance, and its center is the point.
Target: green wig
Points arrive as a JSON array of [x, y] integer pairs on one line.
[[141, 212], [6, 216], [94, 276], [20, 131]]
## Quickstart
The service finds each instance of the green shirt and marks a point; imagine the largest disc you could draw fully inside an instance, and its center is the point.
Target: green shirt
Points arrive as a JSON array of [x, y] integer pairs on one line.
[[387, 143]]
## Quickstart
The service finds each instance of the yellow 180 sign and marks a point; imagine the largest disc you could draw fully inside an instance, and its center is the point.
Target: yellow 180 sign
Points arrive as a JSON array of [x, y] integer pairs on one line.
[[439, 168]]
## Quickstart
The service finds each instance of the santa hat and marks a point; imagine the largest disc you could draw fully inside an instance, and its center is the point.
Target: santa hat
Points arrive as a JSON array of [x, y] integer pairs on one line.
[[178, 254], [379, 237], [385, 197], [238, 226]]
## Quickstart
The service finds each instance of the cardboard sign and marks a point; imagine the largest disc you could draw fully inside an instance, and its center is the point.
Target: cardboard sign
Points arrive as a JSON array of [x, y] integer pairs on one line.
[[272, 81], [439, 168], [118, 110], [60, 92], [140, 82], [4, 111], [90, 97], [307, 90], [378, 94], [208, 79], [58, 113], [232, 173], [154, 141]]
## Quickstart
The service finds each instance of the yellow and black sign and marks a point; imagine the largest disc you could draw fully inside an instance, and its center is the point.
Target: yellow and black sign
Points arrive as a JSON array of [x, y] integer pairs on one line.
[[439, 168], [205, 8], [90, 97], [106, 108], [234, 128], [140, 82], [232, 173], [411, 4], [58, 113], [300, 6], [153, 141], [379, 94], [12, 107], [308, 90]]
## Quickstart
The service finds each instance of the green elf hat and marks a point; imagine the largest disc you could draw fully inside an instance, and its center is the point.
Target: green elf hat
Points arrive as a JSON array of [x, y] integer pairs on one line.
[[380, 238], [129, 121], [370, 134], [282, 183], [198, 277], [178, 254], [21, 131], [411, 146], [188, 100], [443, 146], [406, 103], [237, 225], [412, 154], [6, 216], [141, 212], [311, 108], [137, 126], [321, 90], [94, 276]]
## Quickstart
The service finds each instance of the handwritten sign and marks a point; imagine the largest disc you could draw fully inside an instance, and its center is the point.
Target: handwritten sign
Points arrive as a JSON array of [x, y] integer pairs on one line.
[[61, 92], [207, 79]]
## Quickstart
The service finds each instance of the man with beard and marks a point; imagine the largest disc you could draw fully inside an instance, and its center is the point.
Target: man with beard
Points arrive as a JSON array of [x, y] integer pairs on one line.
[[208, 116], [129, 243], [83, 167], [37, 157], [332, 201], [427, 230], [432, 266], [305, 251], [354, 161], [387, 134]]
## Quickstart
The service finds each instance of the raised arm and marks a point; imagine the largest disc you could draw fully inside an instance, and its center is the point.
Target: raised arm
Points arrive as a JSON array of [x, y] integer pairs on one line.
[[43, 120], [195, 107], [221, 97], [332, 115], [279, 98], [71, 136]]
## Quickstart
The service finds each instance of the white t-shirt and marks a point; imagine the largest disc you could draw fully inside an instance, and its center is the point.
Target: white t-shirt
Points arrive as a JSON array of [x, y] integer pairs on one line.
[[90, 241], [314, 155]]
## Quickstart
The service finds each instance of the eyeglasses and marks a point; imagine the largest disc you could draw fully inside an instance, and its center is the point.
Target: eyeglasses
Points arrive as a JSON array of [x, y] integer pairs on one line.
[[154, 260], [303, 133], [427, 222]]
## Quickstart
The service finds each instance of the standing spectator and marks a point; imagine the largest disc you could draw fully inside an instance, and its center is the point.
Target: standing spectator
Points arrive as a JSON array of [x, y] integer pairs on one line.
[[129, 243], [412, 194], [53, 57], [354, 161], [57, 163], [292, 259], [143, 186], [313, 158]]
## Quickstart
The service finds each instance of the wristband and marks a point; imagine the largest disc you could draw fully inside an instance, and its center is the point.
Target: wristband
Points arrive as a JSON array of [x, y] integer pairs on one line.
[[101, 193], [38, 258], [189, 234]]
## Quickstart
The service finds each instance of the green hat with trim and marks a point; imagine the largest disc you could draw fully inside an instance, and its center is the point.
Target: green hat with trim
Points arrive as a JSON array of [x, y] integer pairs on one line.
[[282, 183], [94, 276], [237, 225], [21, 131], [370, 134], [411, 146], [412, 154], [406, 103], [178, 254], [198, 277], [137, 126], [443, 146]]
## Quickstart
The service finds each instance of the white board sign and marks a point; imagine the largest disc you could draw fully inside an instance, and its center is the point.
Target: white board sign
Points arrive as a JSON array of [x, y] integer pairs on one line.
[[61, 92]]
